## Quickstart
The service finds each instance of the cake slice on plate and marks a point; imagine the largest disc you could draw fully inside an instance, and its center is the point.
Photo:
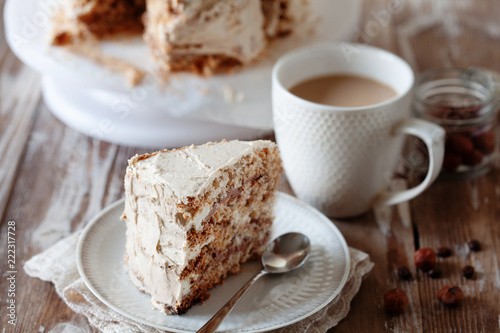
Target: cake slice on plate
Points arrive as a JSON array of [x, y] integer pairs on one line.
[[195, 214]]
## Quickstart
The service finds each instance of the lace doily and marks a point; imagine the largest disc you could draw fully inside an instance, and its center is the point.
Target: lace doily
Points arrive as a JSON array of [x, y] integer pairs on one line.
[[58, 265]]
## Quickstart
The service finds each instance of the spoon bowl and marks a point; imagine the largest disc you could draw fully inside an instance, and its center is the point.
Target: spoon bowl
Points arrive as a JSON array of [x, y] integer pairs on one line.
[[285, 253]]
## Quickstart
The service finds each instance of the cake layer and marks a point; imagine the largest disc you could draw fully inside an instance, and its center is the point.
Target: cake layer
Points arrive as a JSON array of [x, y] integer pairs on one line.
[[194, 215], [104, 17], [277, 17], [78, 19], [201, 64]]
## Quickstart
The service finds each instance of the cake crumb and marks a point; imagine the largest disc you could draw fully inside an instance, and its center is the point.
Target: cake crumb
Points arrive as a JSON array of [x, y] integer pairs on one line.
[[231, 95], [91, 50]]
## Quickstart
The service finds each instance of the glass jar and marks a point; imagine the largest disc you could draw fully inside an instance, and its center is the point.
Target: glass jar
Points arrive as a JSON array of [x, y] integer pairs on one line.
[[465, 103]]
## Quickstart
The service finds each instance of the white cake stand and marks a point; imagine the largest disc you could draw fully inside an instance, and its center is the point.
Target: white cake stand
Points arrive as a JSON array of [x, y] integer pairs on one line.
[[189, 109]]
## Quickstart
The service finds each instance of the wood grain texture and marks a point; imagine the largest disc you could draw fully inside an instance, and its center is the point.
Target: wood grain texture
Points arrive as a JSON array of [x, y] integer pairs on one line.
[[57, 193], [53, 180], [19, 96]]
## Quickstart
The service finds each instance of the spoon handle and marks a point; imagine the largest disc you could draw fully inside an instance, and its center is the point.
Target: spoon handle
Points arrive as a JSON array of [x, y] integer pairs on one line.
[[217, 319]]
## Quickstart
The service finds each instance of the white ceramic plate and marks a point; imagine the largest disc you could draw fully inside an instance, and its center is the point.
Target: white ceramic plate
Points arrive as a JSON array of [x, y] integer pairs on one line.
[[273, 302]]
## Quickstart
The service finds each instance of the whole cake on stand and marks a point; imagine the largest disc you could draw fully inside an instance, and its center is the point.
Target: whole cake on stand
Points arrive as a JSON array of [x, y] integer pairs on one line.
[[90, 98], [203, 36]]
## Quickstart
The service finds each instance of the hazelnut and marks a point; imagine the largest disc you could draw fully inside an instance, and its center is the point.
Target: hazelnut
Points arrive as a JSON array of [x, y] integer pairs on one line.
[[468, 272], [425, 259], [440, 112], [474, 245], [451, 161], [459, 144], [404, 273], [434, 273], [443, 252], [461, 112], [395, 300], [450, 295], [473, 158], [485, 142]]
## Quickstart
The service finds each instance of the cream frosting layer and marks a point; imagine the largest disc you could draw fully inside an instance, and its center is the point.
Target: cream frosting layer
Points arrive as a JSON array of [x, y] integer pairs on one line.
[[157, 189], [187, 172], [232, 28]]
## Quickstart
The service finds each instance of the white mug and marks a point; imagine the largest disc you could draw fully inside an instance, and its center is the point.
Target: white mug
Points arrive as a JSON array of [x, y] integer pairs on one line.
[[338, 159]]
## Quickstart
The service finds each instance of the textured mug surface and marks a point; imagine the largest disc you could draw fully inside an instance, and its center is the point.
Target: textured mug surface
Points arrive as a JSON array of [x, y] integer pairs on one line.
[[339, 159]]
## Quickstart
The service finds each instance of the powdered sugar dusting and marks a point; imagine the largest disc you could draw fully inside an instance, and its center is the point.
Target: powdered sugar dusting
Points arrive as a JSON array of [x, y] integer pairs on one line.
[[496, 282], [474, 196], [480, 276], [462, 250], [383, 215]]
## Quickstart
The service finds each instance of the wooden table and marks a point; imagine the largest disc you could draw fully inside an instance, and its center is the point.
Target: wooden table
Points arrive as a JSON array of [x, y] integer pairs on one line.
[[53, 180]]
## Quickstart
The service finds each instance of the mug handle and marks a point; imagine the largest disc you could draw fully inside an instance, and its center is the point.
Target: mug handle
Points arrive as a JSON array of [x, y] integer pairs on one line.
[[433, 136]]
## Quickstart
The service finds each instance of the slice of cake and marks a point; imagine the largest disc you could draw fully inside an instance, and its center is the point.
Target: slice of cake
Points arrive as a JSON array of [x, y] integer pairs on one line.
[[205, 36], [195, 214]]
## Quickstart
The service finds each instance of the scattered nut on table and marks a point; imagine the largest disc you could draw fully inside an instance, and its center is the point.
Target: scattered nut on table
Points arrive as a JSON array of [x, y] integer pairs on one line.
[[395, 300], [468, 272], [443, 252], [474, 245], [450, 295], [425, 259], [434, 273], [404, 273]]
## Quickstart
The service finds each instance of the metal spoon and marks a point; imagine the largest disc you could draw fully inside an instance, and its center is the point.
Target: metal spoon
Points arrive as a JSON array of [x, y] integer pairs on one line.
[[285, 253]]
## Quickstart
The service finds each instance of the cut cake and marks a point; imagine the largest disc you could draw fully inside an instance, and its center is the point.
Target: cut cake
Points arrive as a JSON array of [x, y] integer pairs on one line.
[[195, 214], [203, 36]]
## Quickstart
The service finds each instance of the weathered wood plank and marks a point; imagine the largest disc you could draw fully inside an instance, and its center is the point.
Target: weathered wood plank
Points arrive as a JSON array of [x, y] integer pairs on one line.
[[19, 95], [64, 180], [453, 223]]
